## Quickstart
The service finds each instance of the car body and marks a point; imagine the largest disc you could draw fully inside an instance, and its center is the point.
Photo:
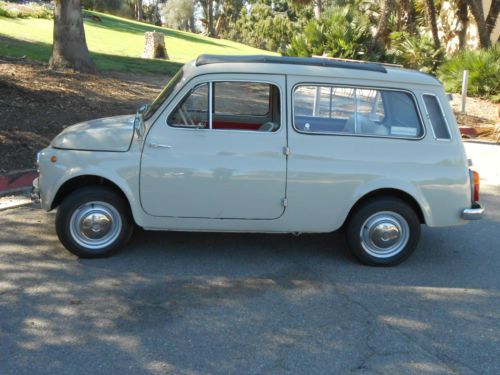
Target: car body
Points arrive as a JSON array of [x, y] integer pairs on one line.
[[273, 144]]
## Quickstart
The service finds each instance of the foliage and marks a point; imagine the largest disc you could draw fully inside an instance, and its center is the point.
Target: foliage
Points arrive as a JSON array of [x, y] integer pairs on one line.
[[262, 26], [26, 10], [484, 72], [342, 31], [115, 43], [178, 14], [415, 52]]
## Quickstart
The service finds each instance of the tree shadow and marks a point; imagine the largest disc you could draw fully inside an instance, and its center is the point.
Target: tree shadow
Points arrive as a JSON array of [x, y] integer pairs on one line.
[[133, 27], [104, 62], [219, 303]]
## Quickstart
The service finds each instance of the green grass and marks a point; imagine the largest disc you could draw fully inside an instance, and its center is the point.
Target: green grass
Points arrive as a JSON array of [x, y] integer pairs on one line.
[[115, 43]]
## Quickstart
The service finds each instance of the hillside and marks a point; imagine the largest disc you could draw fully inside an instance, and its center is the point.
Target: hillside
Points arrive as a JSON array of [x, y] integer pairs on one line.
[[115, 43]]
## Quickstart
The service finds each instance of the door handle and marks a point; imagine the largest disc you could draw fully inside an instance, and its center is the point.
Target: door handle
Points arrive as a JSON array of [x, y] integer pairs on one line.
[[158, 145]]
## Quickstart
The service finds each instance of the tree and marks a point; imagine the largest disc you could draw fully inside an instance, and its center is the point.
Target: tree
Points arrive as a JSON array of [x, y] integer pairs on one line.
[[208, 16], [178, 14], [463, 16], [383, 23], [69, 49], [430, 15], [485, 24]]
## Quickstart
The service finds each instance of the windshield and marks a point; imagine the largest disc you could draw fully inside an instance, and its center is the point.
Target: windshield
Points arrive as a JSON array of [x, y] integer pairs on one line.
[[163, 95]]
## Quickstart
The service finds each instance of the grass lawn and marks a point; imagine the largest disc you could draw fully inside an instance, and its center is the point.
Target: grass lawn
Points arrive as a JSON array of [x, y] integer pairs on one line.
[[115, 43]]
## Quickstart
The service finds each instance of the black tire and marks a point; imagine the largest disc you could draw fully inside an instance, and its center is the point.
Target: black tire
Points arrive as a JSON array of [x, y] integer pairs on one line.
[[374, 212], [104, 197]]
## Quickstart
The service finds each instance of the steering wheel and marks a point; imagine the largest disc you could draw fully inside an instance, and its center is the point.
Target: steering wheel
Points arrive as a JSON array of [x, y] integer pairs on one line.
[[186, 118]]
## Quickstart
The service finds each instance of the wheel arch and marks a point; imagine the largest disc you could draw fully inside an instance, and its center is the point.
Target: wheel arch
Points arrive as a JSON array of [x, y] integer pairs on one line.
[[77, 182], [392, 193]]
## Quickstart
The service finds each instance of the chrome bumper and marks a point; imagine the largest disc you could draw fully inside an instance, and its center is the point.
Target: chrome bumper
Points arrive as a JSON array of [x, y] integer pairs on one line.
[[35, 191], [473, 213]]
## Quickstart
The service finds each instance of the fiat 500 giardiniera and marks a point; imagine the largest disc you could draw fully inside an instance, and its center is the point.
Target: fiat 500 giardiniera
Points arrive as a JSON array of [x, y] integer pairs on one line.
[[267, 144]]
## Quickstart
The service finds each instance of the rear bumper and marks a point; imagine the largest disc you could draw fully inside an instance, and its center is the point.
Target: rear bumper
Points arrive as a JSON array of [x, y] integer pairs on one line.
[[473, 213]]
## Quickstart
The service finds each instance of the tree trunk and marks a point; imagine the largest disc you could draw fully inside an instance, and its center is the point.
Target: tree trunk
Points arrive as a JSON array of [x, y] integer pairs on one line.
[[492, 18], [69, 49], [430, 14], [463, 16], [210, 18], [138, 10], [317, 9], [383, 23], [407, 7], [476, 8]]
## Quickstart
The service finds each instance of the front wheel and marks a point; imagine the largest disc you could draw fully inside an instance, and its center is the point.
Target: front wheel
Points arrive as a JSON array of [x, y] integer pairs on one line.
[[93, 222], [383, 232]]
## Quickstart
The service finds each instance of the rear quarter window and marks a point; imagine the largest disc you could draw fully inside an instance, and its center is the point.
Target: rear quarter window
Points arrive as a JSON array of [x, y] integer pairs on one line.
[[436, 117], [375, 112]]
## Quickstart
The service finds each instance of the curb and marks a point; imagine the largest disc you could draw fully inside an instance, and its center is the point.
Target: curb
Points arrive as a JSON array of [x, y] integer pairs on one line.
[[19, 203], [17, 181]]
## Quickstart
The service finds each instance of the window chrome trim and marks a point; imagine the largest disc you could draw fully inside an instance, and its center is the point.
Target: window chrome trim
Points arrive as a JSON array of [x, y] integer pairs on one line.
[[443, 115], [210, 104], [282, 123], [411, 93]]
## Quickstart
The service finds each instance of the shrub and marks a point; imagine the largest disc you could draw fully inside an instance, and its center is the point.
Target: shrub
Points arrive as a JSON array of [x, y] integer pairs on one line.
[[415, 52], [484, 72], [27, 10], [342, 31]]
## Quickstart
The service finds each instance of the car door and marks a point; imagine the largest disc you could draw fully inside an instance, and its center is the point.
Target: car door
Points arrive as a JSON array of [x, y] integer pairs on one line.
[[217, 151]]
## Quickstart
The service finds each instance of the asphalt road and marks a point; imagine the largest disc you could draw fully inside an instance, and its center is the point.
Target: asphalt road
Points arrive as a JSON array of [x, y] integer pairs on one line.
[[192, 303]]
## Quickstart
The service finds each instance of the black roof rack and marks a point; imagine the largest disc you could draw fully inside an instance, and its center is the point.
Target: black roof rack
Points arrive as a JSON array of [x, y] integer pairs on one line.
[[314, 61]]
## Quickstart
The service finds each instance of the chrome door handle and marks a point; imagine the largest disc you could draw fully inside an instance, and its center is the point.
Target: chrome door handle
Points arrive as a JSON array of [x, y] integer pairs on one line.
[[158, 145]]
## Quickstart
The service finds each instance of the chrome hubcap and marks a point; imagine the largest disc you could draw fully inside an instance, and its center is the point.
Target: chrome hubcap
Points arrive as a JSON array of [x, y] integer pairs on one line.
[[95, 225], [384, 234]]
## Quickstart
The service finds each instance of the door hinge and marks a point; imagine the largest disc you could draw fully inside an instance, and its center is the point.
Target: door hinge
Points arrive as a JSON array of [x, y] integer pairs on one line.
[[284, 202], [286, 150]]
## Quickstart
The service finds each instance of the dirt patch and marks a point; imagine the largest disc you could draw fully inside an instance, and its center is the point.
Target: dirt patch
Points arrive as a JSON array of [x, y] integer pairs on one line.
[[480, 114], [36, 104]]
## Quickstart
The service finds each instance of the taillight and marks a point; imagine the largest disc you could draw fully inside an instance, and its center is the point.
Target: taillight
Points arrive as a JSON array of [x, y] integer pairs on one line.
[[475, 176]]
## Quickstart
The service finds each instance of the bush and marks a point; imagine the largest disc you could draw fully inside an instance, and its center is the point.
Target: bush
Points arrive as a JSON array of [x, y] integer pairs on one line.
[[342, 31], [484, 72], [27, 10], [262, 27], [415, 52]]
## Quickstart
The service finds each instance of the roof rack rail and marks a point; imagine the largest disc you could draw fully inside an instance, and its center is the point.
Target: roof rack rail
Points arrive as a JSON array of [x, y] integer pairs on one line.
[[359, 61], [314, 61]]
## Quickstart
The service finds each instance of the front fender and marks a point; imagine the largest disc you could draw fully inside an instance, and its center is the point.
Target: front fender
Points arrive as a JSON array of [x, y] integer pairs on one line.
[[119, 168]]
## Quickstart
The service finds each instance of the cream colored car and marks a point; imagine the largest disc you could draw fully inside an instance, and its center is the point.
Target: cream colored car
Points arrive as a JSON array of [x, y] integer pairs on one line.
[[267, 144]]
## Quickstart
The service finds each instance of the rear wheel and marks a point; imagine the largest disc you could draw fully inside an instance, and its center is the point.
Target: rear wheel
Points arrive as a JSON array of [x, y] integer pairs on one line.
[[93, 222], [383, 232]]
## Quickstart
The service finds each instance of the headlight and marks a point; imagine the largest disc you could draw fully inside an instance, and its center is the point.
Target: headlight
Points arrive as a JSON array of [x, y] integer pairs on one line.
[[37, 163]]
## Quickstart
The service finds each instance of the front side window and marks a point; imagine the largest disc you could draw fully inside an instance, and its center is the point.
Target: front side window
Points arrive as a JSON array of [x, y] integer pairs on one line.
[[358, 111], [192, 111], [242, 98], [235, 105], [436, 117]]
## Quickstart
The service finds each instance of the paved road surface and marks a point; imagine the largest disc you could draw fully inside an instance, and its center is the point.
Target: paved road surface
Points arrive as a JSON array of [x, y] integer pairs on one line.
[[187, 303]]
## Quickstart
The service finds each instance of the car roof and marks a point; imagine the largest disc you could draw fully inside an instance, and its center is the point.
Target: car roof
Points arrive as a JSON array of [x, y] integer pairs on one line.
[[306, 66]]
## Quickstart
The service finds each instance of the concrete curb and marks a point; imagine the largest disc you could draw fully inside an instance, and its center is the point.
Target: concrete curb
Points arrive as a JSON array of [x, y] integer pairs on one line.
[[14, 201]]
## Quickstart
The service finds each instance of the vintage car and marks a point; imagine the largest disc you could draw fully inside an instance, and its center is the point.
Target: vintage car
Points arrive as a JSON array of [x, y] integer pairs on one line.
[[267, 144]]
